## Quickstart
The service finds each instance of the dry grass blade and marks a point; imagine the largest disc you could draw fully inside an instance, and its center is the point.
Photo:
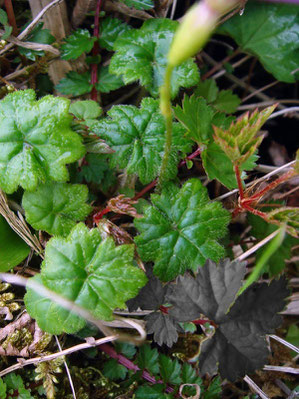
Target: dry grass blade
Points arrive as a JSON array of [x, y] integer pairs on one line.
[[71, 306], [91, 343], [18, 224]]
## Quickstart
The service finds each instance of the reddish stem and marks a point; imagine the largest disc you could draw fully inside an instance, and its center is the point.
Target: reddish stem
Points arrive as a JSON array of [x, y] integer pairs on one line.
[[98, 216], [130, 365], [95, 51], [191, 156], [11, 16], [273, 184], [239, 181], [255, 212]]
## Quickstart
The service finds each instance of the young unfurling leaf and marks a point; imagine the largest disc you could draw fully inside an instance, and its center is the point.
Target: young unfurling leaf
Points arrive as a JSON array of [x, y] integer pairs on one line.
[[240, 142]]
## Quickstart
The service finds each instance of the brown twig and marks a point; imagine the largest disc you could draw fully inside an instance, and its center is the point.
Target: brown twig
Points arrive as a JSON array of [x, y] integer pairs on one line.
[[90, 343], [11, 16], [31, 26]]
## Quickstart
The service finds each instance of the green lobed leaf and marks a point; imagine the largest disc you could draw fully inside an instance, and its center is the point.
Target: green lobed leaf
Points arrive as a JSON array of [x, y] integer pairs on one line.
[[238, 345], [152, 392], [269, 32], [110, 29], [137, 135], [36, 140], [139, 4], [207, 89], [85, 110], [181, 229], [114, 371], [196, 116], [227, 102], [189, 375], [3, 17], [219, 166], [223, 100], [141, 54], [76, 44], [170, 370], [2, 384], [260, 230], [13, 249], [75, 84], [214, 389], [108, 81], [147, 358], [56, 207], [93, 273]]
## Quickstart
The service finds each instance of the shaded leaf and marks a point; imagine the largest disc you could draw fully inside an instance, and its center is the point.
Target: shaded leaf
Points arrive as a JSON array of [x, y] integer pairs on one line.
[[227, 101], [269, 32], [93, 273], [211, 293], [110, 29], [75, 84], [164, 327], [85, 110], [36, 140], [238, 344], [207, 89], [151, 296], [56, 207], [76, 44], [108, 81], [181, 229], [38, 35], [137, 135], [141, 54], [13, 249]]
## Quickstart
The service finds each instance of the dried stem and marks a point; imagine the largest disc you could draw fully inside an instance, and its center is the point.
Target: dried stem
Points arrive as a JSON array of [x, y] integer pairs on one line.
[[91, 342], [31, 26], [220, 64]]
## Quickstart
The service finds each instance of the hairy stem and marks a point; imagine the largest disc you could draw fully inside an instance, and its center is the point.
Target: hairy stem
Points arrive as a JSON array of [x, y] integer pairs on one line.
[[286, 176], [165, 105], [130, 365]]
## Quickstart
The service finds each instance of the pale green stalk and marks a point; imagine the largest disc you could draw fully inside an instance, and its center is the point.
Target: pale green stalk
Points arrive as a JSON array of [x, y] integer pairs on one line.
[[270, 249], [197, 26]]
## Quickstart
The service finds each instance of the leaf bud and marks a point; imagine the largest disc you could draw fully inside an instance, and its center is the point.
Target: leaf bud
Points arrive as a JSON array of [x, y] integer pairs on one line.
[[196, 28]]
